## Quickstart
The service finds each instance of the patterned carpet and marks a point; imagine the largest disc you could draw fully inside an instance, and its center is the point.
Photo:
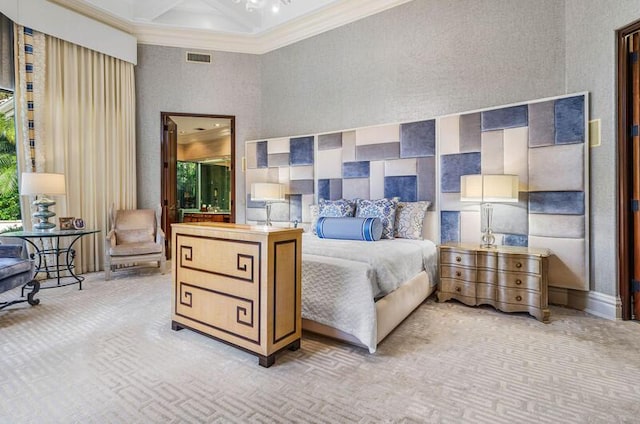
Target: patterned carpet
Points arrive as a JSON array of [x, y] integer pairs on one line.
[[106, 354]]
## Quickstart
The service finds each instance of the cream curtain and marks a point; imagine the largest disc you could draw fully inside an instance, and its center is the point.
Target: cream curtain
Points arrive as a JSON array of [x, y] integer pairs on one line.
[[76, 115], [89, 116]]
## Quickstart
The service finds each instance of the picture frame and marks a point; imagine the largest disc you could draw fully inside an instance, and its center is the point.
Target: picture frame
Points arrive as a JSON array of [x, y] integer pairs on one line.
[[78, 224], [66, 223]]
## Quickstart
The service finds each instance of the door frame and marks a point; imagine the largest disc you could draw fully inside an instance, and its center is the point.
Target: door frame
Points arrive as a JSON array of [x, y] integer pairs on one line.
[[168, 170], [625, 174]]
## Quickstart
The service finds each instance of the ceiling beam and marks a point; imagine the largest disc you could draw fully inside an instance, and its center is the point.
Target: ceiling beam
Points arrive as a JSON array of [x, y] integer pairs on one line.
[[148, 10]]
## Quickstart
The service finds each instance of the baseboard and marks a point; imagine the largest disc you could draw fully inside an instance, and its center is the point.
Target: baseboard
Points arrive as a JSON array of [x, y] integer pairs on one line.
[[594, 303]]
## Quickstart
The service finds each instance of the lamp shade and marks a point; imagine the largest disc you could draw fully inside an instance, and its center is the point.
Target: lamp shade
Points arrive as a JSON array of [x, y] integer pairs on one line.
[[36, 183], [489, 188], [270, 192]]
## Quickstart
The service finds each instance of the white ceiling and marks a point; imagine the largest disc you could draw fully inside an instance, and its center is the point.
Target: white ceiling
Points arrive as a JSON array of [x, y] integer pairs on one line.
[[225, 24]]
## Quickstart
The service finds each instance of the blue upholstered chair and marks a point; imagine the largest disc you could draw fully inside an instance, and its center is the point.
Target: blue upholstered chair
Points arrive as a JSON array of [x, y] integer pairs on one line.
[[16, 271]]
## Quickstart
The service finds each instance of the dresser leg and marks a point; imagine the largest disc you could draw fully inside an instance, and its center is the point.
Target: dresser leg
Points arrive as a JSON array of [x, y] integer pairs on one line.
[[175, 326], [294, 346], [266, 361]]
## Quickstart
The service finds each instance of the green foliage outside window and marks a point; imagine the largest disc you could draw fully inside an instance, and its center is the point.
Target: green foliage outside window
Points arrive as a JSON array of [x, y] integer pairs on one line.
[[9, 196]]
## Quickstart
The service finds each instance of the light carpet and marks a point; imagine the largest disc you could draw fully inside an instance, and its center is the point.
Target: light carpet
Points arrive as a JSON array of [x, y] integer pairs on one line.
[[107, 354]]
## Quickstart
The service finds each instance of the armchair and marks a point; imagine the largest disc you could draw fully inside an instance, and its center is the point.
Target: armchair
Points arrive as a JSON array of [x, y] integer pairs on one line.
[[16, 271], [135, 237]]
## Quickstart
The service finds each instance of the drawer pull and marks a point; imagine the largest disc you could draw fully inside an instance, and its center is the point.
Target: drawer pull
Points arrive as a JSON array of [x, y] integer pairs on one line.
[[519, 298], [518, 282], [518, 265], [458, 274], [458, 259], [458, 289]]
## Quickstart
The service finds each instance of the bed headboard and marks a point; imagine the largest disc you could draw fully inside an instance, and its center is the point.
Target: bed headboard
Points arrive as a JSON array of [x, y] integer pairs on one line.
[[397, 160]]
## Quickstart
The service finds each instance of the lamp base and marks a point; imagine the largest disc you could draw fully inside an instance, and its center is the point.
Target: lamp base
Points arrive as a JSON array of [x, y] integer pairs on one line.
[[488, 239], [42, 215], [267, 206]]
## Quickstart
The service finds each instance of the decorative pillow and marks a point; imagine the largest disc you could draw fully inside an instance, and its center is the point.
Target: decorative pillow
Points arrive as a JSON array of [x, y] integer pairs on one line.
[[385, 209], [142, 235], [314, 211], [409, 219], [336, 208], [349, 228]]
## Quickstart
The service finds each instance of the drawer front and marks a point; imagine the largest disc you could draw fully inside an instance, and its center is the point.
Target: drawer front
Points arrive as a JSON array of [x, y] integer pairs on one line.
[[458, 273], [226, 314], [519, 263], [457, 257], [458, 287], [518, 297], [217, 257], [487, 276], [486, 291], [516, 280], [487, 260]]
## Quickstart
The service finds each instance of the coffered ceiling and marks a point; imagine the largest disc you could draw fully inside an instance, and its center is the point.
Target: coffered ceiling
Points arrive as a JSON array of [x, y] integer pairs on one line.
[[226, 25]]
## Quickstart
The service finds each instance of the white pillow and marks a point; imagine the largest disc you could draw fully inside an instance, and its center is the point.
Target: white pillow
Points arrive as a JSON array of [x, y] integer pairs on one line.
[[409, 219]]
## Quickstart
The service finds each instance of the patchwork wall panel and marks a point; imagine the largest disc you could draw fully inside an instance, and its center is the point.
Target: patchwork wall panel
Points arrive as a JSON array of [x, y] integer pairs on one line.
[[544, 143]]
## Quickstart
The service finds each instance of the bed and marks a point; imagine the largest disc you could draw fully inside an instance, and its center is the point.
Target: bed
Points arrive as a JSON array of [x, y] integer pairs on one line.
[[359, 291]]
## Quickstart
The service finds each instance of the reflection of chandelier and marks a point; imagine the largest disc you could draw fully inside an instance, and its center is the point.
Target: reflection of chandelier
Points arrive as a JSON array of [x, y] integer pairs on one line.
[[274, 5]]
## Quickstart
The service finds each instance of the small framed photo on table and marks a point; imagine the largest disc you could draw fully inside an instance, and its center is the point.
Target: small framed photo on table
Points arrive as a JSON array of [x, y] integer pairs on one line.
[[78, 224], [66, 223]]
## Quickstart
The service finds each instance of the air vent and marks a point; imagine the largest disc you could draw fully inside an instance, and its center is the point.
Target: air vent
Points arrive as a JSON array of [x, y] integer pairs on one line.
[[199, 57]]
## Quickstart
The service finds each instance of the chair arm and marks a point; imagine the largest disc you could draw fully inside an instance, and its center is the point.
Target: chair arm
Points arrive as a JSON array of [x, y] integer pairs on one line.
[[110, 239], [159, 235]]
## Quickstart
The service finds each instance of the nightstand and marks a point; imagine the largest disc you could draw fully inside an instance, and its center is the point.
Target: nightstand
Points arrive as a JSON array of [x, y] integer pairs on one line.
[[511, 279]]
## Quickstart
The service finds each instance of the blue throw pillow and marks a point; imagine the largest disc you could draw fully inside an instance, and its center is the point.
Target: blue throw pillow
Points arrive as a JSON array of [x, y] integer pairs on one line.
[[349, 228], [385, 209]]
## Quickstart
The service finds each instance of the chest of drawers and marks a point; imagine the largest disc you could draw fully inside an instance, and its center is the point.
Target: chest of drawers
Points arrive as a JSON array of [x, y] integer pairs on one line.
[[239, 284], [511, 279]]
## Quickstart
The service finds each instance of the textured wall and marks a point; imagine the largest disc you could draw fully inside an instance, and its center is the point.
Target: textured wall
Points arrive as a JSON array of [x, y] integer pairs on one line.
[[591, 65], [419, 60], [166, 83]]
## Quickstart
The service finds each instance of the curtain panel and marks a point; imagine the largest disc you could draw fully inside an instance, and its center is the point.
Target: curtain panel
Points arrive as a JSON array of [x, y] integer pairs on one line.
[[86, 120]]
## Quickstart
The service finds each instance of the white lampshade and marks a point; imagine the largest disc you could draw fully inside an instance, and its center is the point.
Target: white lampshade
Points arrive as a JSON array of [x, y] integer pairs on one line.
[[489, 188], [269, 192], [36, 183]]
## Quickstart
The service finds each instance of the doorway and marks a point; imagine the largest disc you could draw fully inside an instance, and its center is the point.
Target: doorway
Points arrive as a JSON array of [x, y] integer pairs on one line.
[[198, 176], [628, 149]]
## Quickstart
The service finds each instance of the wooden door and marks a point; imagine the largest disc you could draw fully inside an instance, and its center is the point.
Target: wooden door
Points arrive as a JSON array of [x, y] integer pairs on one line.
[[169, 172], [169, 175], [634, 118], [628, 100]]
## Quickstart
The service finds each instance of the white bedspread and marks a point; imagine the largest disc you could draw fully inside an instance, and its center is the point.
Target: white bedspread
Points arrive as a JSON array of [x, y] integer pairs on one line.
[[342, 278]]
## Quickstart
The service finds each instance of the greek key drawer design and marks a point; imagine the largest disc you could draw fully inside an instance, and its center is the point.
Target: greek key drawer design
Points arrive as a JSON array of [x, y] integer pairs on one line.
[[512, 279]]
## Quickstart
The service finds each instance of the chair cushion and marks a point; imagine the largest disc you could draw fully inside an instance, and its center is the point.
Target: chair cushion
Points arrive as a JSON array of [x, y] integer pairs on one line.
[[13, 266], [132, 249], [10, 250], [140, 235]]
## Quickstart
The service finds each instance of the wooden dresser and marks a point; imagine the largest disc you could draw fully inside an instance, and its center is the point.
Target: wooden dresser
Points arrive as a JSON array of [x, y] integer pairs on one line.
[[511, 279], [239, 284]]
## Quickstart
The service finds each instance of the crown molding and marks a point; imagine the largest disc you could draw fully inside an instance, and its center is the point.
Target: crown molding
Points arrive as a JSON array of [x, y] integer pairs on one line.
[[328, 18]]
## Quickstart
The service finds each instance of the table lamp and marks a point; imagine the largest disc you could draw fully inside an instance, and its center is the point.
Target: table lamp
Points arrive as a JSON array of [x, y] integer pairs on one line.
[[267, 193], [488, 189], [42, 184]]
